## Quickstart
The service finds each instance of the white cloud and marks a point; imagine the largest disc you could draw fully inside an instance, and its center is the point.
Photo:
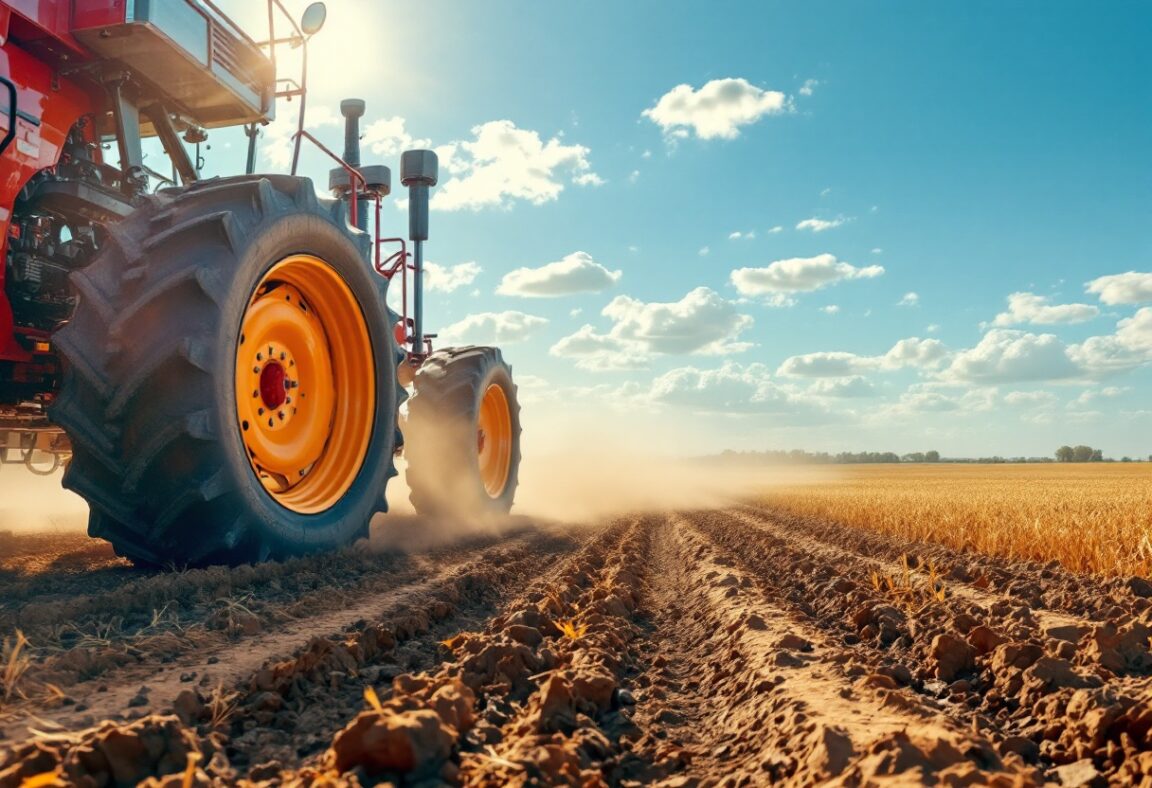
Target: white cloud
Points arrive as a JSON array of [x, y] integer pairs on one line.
[[877, 250], [907, 353], [825, 364], [942, 398], [576, 273], [1105, 355], [704, 251], [599, 352], [1130, 288], [732, 389], [914, 352], [1005, 355], [798, 275], [826, 192], [492, 328], [808, 86], [739, 236], [1135, 332], [1129, 347], [1088, 395], [830, 309], [819, 225], [447, 278], [842, 388], [933, 328], [503, 163], [717, 110], [388, 137], [702, 322], [928, 402], [588, 179], [1036, 309], [777, 229], [1030, 399], [910, 299], [634, 176]]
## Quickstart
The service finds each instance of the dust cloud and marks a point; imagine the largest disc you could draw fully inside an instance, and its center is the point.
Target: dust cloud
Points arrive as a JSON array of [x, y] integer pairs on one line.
[[615, 480], [584, 463], [38, 503]]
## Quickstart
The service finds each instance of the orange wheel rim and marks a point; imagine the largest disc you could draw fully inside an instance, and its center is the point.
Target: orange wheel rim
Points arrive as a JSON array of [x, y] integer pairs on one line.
[[494, 440], [305, 384]]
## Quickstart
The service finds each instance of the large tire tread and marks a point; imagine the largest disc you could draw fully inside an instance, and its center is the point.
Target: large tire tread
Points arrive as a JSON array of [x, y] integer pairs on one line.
[[142, 365]]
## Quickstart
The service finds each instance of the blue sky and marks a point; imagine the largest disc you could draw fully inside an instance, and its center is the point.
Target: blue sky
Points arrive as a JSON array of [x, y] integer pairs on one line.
[[924, 195]]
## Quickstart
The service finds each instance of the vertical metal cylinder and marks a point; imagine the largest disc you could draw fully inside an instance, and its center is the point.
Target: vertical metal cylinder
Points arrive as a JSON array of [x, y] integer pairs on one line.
[[419, 170], [353, 110], [418, 297]]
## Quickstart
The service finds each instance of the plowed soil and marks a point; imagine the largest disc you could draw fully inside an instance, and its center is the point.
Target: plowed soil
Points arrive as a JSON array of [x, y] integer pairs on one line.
[[732, 646]]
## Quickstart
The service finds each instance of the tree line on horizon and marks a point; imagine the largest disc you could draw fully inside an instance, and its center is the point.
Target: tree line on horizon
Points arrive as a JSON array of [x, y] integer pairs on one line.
[[800, 457]]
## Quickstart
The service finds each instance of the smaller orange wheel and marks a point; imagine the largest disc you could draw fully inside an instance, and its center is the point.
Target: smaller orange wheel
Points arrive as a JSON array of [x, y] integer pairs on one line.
[[494, 440]]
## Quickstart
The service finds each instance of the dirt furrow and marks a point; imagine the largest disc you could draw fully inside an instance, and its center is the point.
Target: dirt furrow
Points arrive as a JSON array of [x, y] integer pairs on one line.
[[754, 691], [150, 618], [425, 591], [909, 568], [993, 667], [1047, 587]]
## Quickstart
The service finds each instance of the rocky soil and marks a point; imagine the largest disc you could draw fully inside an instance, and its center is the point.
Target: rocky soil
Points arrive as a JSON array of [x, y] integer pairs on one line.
[[738, 646]]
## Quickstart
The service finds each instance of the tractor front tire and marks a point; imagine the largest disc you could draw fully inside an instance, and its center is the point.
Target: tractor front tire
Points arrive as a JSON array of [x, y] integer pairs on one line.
[[462, 436], [230, 377]]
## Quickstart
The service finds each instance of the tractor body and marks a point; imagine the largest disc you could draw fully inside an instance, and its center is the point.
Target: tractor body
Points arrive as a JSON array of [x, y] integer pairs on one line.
[[214, 361], [77, 76]]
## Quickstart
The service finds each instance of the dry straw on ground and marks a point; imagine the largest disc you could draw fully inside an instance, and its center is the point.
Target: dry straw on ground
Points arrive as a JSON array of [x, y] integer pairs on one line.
[[1089, 517]]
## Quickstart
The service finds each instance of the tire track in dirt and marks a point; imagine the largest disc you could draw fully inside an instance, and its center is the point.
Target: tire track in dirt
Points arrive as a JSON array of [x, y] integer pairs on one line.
[[117, 694]]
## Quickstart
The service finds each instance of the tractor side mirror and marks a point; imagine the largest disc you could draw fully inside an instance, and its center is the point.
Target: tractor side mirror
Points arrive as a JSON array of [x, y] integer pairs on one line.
[[313, 19]]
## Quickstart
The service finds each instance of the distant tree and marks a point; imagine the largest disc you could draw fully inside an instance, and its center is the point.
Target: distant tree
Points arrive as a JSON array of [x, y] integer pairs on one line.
[[932, 456], [1125, 459], [1097, 456], [1065, 454], [916, 456], [1082, 453]]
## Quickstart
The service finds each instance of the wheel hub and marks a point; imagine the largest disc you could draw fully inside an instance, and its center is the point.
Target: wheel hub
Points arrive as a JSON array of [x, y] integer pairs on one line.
[[273, 385]]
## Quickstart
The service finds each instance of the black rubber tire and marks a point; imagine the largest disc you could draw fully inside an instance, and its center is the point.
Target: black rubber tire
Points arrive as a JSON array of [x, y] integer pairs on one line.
[[440, 433], [148, 396]]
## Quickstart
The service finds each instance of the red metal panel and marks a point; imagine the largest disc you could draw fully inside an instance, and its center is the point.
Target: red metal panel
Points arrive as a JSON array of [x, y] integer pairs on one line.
[[35, 148], [97, 13], [50, 16]]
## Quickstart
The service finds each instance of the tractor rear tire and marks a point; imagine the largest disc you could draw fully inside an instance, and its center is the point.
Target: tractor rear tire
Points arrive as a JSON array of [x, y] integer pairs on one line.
[[462, 436], [208, 305]]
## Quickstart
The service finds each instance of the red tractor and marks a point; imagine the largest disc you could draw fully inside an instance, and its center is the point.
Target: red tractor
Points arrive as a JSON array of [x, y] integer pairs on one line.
[[214, 360]]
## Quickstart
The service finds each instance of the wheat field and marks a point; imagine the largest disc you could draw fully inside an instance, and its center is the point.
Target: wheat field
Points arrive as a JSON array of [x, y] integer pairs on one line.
[[1090, 517]]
